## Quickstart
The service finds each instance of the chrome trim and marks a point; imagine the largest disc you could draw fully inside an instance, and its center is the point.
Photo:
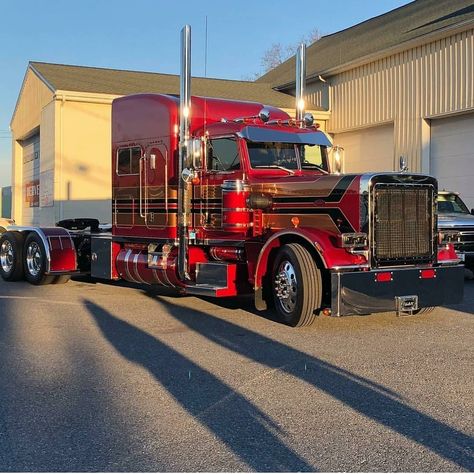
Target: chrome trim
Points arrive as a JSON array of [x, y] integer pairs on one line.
[[300, 81], [127, 270], [405, 186], [238, 185], [454, 261], [235, 209], [157, 278], [116, 159], [184, 135], [33, 259], [365, 190], [350, 267], [224, 243], [135, 264], [43, 238], [6, 256]]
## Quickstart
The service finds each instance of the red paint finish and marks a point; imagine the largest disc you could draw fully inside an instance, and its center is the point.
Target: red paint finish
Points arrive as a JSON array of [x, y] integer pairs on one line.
[[61, 249], [236, 217]]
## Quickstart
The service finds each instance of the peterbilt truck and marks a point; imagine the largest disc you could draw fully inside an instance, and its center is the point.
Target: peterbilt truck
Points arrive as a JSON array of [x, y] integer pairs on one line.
[[221, 198]]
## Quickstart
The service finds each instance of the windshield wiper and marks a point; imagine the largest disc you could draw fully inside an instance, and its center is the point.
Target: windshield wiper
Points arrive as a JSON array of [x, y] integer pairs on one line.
[[276, 166]]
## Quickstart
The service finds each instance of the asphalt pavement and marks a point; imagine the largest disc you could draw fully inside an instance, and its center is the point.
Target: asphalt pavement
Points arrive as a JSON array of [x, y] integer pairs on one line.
[[100, 377]]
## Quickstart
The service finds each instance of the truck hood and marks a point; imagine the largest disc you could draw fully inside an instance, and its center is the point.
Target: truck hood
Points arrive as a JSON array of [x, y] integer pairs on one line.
[[454, 220]]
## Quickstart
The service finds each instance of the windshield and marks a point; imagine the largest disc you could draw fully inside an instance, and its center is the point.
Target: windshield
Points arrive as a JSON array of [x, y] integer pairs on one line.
[[287, 156], [451, 203]]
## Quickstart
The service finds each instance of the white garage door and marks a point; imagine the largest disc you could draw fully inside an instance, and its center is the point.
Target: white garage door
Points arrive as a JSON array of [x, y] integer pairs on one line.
[[369, 149], [452, 155], [31, 175]]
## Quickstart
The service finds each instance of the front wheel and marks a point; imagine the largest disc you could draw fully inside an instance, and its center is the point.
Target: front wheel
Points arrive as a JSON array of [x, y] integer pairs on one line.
[[296, 285], [34, 261]]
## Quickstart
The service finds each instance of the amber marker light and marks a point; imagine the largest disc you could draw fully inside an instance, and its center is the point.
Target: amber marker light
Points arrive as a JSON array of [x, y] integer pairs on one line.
[[196, 180], [295, 221]]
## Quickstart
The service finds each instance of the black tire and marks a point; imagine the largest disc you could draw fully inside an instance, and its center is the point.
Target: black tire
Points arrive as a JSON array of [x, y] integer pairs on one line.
[[299, 302], [61, 279], [11, 256], [427, 310], [34, 261]]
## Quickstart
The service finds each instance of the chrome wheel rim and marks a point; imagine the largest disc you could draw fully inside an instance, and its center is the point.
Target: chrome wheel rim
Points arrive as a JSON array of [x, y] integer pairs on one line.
[[33, 259], [6, 256], [286, 286]]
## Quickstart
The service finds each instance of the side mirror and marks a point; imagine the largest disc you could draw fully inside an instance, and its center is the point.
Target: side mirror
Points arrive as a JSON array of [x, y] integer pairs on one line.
[[196, 152], [338, 159], [403, 165], [472, 212]]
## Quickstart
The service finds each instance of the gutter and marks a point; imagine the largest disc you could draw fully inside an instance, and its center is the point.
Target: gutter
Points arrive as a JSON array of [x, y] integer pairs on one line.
[[409, 44]]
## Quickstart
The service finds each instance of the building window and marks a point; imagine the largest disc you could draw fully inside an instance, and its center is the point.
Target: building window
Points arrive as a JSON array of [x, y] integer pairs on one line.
[[128, 160]]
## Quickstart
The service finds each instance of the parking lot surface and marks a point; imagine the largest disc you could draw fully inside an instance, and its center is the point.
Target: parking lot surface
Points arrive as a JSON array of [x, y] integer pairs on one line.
[[102, 377]]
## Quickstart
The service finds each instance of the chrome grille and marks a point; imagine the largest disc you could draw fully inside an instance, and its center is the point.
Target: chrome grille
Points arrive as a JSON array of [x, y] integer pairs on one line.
[[403, 224]]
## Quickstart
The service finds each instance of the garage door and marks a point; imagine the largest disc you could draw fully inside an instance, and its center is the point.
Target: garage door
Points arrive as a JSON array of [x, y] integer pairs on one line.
[[452, 155], [369, 149], [31, 172]]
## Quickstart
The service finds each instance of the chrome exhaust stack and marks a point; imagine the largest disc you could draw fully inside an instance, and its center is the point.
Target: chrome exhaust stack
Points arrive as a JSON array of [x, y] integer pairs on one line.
[[184, 152], [300, 82]]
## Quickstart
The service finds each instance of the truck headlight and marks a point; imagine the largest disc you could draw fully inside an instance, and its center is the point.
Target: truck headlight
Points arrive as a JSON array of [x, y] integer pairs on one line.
[[447, 236], [354, 240]]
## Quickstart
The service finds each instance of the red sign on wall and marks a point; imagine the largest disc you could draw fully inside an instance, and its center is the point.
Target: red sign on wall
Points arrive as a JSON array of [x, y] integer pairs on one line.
[[32, 192]]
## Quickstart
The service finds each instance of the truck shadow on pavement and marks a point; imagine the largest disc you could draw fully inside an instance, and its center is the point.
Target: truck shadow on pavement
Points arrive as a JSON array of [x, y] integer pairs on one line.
[[247, 431], [242, 427], [59, 422], [360, 394]]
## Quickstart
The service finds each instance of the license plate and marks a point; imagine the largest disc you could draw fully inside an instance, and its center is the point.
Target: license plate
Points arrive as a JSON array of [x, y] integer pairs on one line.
[[406, 303]]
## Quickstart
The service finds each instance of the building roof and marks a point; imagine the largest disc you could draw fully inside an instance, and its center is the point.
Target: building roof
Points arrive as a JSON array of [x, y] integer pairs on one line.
[[119, 82], [404, 24]]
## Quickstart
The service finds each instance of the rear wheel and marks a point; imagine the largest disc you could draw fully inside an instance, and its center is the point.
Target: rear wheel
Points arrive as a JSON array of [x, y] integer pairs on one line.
[[296, 285], [34, 261], [11, 256]]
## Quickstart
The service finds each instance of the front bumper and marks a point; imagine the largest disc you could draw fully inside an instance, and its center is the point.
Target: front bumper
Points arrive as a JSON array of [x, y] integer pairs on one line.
[[466, 257], [359, 292]]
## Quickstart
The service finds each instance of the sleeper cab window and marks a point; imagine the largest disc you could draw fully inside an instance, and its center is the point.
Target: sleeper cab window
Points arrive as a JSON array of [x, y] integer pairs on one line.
[[128, 160], [223, 155]]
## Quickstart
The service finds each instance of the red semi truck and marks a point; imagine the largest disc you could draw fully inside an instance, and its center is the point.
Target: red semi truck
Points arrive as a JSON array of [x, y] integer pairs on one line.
[[221, 198]]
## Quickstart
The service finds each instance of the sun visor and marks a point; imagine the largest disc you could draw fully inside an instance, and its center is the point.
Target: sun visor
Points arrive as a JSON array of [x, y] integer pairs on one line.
[[258, 134]]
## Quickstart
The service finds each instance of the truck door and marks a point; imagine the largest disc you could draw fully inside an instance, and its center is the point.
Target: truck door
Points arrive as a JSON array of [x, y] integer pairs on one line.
[[223, 163], [127, 192], [154, 182]]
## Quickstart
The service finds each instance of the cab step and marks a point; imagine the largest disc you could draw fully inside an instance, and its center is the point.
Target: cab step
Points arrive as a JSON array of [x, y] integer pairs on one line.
[[214, 279]]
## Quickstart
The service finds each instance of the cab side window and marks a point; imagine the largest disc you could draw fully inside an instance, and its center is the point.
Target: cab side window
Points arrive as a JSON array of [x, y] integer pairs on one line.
[[128, 160], [223, 155]]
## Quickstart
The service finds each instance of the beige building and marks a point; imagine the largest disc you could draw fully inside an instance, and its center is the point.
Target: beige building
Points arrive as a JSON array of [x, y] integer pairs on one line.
[[61, 130], [400, 84]]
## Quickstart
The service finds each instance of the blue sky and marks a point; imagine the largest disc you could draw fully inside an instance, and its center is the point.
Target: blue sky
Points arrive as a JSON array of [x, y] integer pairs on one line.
[[144, 35]]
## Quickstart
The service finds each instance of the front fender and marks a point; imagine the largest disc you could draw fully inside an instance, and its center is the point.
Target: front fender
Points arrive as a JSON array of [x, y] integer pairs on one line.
[[321, 242]]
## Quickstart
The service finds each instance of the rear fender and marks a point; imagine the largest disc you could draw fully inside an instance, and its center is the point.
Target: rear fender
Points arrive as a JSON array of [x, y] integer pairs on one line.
[[58, 245]]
